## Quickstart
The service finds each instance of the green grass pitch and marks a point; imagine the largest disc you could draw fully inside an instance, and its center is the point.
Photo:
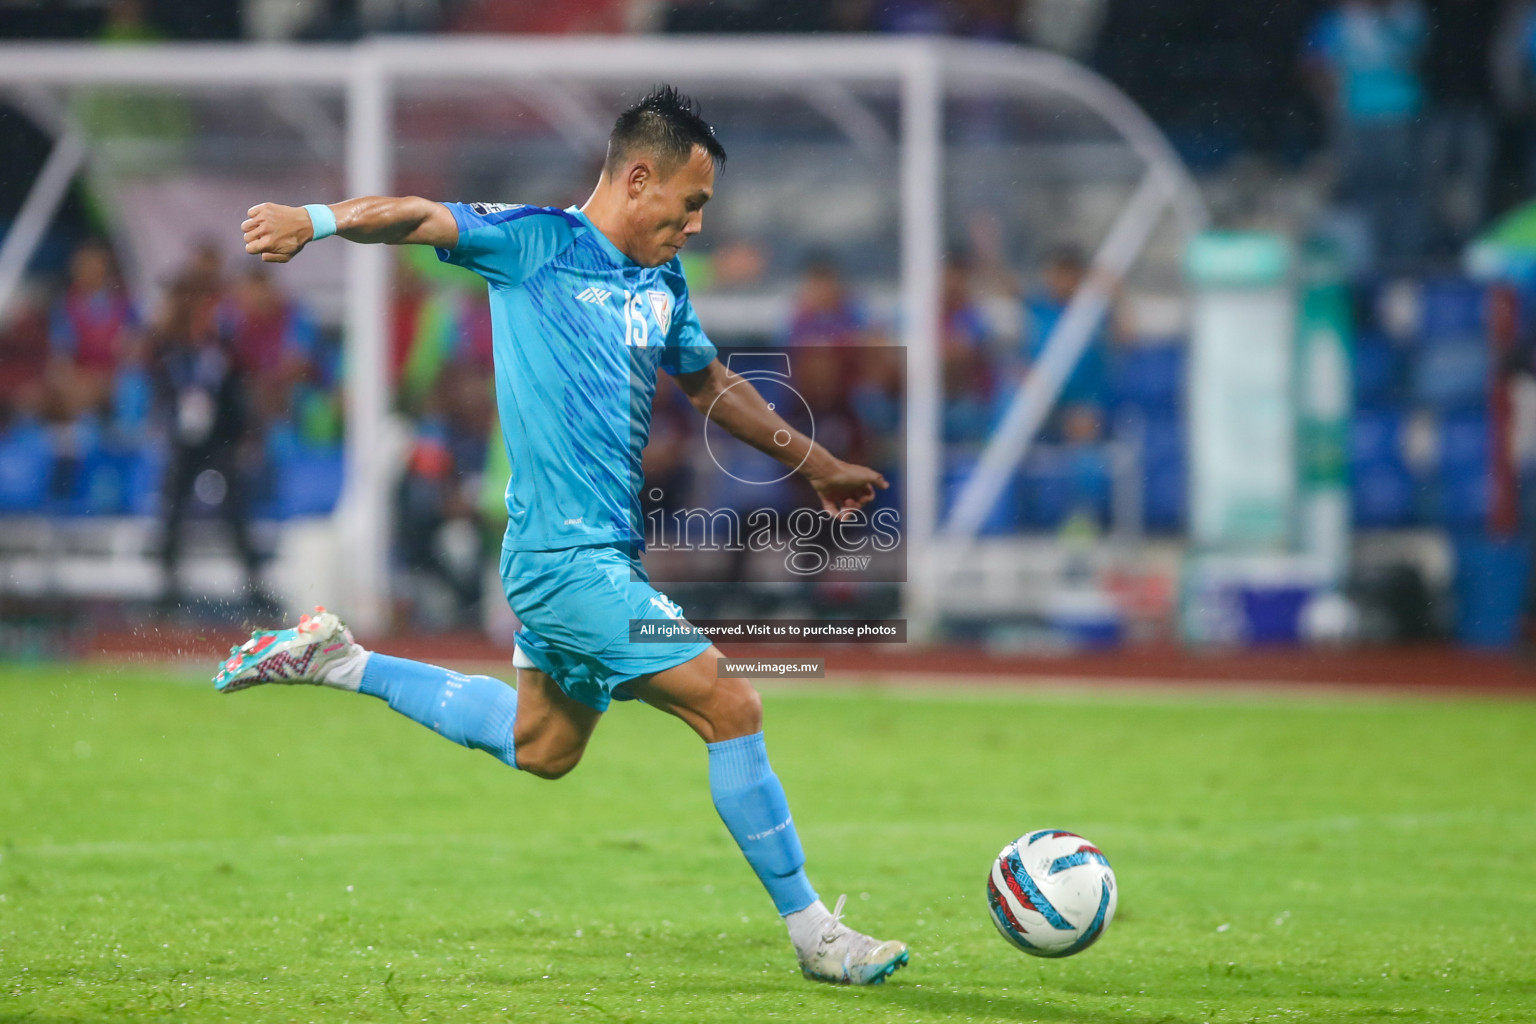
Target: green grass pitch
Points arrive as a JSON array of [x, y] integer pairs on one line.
[[293, 854]]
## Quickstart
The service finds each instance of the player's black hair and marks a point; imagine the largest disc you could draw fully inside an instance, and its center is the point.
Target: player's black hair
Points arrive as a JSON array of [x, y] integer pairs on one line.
[[665, 123]]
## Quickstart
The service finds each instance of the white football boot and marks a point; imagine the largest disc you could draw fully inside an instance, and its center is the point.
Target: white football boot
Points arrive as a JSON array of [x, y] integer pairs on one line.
[[843, 956], [319, 650]]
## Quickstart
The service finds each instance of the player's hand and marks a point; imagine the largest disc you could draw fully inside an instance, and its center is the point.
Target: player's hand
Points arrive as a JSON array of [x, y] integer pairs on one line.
[[845, 487], [277, 233]]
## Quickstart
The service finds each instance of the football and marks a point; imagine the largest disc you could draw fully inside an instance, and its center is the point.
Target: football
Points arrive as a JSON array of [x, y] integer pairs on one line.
[[1051, 893]]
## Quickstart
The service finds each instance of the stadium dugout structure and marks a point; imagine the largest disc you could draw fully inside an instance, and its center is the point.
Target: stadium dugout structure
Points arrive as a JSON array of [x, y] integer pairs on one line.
[[887, 96]]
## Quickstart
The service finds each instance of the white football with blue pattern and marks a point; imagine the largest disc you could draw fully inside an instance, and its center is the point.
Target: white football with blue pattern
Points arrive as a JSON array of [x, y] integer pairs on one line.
[[1051, 893]]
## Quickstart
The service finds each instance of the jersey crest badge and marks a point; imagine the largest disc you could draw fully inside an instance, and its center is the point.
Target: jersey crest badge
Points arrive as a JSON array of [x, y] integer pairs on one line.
[[486, 209], [667, 606], [661, 305]]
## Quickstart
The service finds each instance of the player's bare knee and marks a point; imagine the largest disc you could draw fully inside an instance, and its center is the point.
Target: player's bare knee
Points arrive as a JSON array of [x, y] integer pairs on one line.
[[549, 771], [544, 763], [751, 709], [543, 753], [738, 710]]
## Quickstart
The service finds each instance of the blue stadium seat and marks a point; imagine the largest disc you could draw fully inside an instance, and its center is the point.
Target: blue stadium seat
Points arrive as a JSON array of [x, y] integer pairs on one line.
[[1452, 373], [1160, 436], [1045, 498], [1165, 492], [967, 419], [1382, 494], [146, 480], [1004, 517], [1149, 378], [1450, 306], [1374, 436], [1163, 472], [307, 482], [1377, 376], [104, 482], [1053, 487], [1490, 586], [1463, 500], [1463, 444], [26, 463]]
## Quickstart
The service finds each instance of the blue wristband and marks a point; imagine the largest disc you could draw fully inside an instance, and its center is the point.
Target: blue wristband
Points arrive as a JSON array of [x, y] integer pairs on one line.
[[323, 220]]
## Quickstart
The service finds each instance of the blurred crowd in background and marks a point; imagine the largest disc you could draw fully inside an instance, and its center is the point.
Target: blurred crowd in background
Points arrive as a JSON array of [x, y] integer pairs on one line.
[[1422, 113], [224, 402], [189, 406], [1426, 109], [1415, 120]]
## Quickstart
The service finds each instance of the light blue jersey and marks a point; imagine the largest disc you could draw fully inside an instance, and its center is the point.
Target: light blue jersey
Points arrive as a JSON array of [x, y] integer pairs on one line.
[[1374, 51], [579, 331]]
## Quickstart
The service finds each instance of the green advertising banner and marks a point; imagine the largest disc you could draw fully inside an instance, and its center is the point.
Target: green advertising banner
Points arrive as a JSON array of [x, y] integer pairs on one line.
[[1324, 403], [1242, 425]]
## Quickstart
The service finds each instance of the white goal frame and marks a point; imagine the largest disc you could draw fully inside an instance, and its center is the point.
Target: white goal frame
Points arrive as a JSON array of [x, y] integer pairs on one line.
[[921, 71]]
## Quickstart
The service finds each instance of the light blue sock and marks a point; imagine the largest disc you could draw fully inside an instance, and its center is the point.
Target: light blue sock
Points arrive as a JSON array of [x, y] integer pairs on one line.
[[473, 711], [751, 803]]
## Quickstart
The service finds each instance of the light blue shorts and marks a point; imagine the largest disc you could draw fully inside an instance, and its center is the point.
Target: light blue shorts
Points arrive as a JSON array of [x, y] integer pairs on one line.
[[575, 605]]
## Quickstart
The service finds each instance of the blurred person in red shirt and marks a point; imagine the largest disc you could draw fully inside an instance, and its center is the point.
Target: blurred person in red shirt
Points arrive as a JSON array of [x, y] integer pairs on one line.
[[272, 341], [92, 328], [826, 312], [24, 354], [827, 315]]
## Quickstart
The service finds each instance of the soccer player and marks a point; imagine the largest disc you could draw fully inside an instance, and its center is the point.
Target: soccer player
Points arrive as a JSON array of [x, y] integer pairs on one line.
[[586, 305]]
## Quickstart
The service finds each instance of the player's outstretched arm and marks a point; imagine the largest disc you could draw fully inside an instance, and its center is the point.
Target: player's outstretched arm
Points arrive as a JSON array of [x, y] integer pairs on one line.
[[842, 486], [279, 233]]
